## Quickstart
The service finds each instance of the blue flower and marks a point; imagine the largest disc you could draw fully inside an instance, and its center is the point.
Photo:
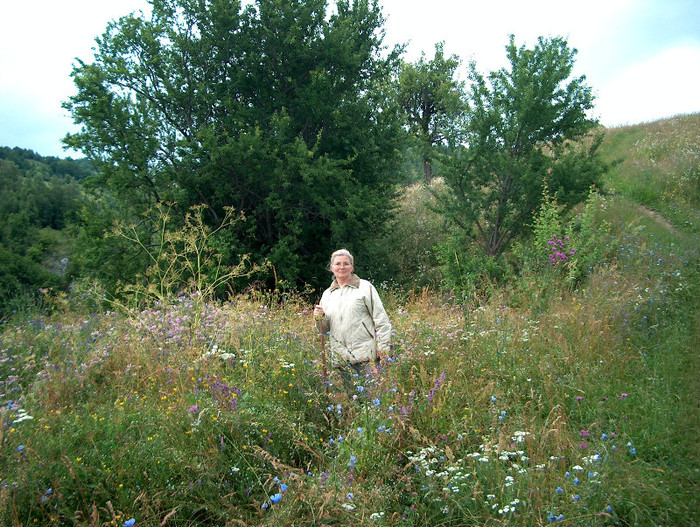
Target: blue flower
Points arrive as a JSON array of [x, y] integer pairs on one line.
[[350, 495], [575, 497], [576, 481], [359, 430], [353, 460], [559, 490], [129, 523], [20, 448], [633, 451], [283, 487], [265, 506], [493, 399], [275, 497], [360, 389], [376, 402]]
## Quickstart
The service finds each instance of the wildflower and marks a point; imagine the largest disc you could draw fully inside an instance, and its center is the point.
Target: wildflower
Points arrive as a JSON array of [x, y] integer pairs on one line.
[[359, 431], [283, 487], [559, 490], [585, 433], [353, 460], [275, 497], [193, 409], [575, 497], [376, 402], [20, 448], [360, 389], [265, 506], [350, 496], [493, 399], [129, 523]]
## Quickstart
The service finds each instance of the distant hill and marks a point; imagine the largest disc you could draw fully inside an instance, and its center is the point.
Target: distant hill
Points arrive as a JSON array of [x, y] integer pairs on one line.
[[39, 200], [31, 163]]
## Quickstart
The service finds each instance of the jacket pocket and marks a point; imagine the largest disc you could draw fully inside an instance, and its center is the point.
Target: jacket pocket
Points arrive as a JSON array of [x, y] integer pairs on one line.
[[369, 333]]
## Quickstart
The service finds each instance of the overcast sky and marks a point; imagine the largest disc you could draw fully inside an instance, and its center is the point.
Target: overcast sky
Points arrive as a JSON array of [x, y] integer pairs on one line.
[[641, 57]]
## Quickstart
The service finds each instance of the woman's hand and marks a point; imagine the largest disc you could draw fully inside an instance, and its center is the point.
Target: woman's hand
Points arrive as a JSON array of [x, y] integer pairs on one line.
[[318, 312]]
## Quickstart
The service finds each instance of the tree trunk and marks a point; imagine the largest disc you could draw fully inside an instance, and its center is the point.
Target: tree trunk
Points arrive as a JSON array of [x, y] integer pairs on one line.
[[427, 170]]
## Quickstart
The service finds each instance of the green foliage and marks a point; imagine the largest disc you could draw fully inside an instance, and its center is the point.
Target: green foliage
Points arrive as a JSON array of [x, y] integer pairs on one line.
[[281, 111], [185, 260], [39, 200], [524, 126], [433, 103], [566, 250], [467, 272], [406, 254]]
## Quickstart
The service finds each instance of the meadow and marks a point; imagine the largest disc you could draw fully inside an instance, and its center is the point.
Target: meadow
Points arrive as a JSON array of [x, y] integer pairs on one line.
[[566, 394]]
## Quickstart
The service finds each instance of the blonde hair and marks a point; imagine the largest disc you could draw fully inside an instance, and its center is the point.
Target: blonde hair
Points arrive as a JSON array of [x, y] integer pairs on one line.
[[341, 252]]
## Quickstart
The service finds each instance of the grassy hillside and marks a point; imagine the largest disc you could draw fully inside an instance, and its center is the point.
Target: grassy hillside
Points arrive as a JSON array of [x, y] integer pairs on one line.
[[550, 401]]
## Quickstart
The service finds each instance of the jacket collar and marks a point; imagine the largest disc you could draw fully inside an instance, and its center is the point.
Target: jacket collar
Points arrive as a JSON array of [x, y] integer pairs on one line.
[[354, 282]]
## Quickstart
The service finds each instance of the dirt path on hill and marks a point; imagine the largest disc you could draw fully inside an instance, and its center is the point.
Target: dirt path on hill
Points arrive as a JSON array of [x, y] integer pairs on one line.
[[659, 219]]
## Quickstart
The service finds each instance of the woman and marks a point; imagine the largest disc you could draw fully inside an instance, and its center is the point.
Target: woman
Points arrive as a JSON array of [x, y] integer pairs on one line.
[[360, 331]]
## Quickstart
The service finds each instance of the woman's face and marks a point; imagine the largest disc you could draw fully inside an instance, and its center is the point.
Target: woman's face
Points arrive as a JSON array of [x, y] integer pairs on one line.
[[341, 267]]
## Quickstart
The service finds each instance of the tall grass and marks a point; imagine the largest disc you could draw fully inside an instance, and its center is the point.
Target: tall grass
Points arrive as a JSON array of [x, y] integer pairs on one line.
[[543, 403]]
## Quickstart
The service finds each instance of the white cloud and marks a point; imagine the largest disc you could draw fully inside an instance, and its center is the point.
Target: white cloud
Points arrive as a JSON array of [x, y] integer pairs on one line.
[[664, 85]]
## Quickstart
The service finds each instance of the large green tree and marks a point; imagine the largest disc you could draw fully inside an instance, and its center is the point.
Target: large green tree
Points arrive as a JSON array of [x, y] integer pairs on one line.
[[527, 123], [432, 100], [280, 110]]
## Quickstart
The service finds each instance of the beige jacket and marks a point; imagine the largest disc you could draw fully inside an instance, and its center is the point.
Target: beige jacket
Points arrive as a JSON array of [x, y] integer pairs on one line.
[[358, 324]]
